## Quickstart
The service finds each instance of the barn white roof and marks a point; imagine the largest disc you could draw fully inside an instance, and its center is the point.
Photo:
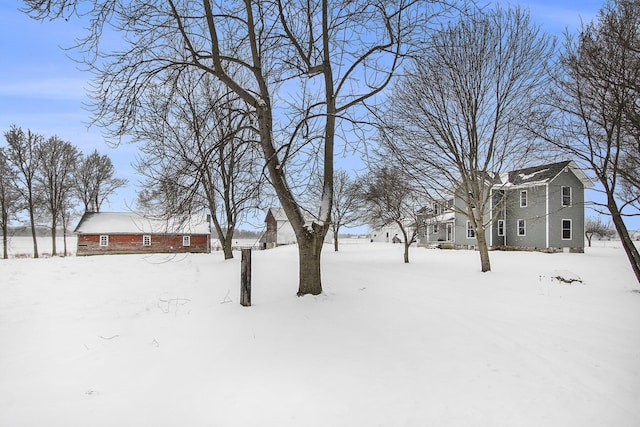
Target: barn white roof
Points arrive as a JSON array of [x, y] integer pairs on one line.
[[280, 215], [131, 222]]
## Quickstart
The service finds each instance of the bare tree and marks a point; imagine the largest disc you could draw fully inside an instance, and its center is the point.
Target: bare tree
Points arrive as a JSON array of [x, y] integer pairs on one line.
[[22, 154], [458, 116], [596, 227], [346, 208], [200, 153], [305, 66], [592, 97], [67, 213], [347, 202], [391, 197], [55, 179], [8, 199], [620, 21], [95, 180]]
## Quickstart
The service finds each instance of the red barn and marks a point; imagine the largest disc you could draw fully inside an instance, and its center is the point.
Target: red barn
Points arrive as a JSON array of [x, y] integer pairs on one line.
[[128, 233]]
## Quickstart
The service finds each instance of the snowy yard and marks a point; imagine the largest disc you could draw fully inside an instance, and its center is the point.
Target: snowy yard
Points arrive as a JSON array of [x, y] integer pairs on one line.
[[129, 340]]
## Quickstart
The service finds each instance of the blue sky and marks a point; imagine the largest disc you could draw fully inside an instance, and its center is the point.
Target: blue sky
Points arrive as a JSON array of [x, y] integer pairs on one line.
[[42, 89]]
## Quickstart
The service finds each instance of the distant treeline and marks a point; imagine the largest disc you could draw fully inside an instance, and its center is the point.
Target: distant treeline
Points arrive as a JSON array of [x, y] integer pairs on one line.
[[247, 234], [25, 230]]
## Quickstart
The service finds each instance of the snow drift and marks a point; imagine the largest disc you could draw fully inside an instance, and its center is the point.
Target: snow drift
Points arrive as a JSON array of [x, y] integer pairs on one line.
[[162, 340]]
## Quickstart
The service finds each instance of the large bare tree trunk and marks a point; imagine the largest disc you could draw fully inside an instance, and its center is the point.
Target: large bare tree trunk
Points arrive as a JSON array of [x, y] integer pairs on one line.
[[65, 224], [309, 251], [227, 249], [627, 244], [225, 239], [483, 248], [33, 230], [407, 241], [475, 216], [406, 252], [64, 241], [5, 251], [54, 250]]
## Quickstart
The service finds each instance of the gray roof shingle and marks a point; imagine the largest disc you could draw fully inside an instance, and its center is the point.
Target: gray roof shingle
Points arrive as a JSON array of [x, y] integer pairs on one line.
[[543, 174]]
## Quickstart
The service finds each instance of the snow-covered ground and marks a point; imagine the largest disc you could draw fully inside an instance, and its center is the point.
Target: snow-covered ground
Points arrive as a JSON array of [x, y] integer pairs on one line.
[[22, 246], [129, 340]]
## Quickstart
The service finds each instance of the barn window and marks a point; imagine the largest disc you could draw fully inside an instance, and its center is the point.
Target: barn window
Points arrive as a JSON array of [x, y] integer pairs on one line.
[[146, 240], [104, 240], [186, 240]]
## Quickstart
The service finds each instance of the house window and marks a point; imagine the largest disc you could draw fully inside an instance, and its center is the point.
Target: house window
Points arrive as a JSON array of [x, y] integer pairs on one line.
[[523, 198], [471, 233], [104, 240], [146, 240], [436, 209], [501, 227], [566, 196], [522, 227], [186, 240], [566, 229], [435, 228]]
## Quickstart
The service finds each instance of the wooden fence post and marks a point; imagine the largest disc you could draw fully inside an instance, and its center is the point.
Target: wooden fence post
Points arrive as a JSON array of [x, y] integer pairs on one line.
[[245, 278]]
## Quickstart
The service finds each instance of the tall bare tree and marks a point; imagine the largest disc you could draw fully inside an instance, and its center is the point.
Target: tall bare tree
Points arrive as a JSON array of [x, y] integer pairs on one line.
[[200, 153], [305, 66], [594, 226], [391, 197], [593, 97], [22, 153], [95, 180], [621, 22], [8, 199], [347, 202], [67, 213], [55, 179], [346, 208], [458, 116]]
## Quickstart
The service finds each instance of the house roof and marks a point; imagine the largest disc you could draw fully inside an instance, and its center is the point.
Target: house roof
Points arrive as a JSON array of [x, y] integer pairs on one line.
[[543, 174], [280, 215], [135, 223]]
